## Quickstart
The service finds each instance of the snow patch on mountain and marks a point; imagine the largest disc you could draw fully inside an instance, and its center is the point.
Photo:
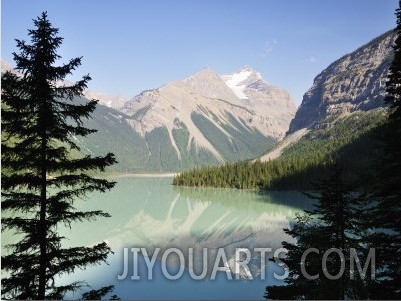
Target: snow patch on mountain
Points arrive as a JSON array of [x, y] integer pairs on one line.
[[238, 81], [234, 82]]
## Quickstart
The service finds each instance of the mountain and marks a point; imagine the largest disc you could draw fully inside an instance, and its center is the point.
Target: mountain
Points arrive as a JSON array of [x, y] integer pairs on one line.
[[345, 100], [338, 122], [355, 82], [112, 101], [203, 120], [339, 115], [274, 105]]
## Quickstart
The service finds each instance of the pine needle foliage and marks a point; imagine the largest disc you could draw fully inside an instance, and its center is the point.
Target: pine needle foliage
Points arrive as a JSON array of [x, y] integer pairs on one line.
[[40, 179]]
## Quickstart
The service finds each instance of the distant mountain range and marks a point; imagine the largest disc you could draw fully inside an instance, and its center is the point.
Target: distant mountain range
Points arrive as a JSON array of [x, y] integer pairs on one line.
[[208, 119], [201, 120]]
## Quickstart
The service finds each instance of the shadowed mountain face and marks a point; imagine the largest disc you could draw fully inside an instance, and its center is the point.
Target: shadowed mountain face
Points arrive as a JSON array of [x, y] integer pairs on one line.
[[355, 82]]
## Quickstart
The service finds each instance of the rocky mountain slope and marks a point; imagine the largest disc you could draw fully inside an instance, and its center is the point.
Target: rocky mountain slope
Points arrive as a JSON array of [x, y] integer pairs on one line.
[[210, 119], [287, 142], [355, 82]]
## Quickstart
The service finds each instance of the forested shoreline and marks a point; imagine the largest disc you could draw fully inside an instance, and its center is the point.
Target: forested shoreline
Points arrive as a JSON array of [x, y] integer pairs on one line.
[[349, 142]]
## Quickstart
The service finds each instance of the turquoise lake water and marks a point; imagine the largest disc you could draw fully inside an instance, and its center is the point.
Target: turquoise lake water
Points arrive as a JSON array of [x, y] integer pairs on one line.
[[148, 212]]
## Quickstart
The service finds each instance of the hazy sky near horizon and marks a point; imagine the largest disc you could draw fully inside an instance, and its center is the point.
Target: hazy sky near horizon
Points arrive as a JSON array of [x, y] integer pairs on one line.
[[133, 45]]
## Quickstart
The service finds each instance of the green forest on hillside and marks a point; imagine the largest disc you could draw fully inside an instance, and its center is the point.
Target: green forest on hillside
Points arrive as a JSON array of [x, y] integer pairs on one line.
[[347, 141]]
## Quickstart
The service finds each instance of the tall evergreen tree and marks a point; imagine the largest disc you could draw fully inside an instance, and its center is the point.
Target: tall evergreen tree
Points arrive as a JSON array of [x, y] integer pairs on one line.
[[41, 116], [332, 224], [386, 189]]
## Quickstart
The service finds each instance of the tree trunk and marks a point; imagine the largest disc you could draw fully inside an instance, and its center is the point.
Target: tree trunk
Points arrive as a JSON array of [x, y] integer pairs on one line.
[[42, 225]]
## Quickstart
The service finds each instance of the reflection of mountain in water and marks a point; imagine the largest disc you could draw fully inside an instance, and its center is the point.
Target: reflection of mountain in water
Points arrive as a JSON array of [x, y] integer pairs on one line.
[[195, 218], [150, 213]]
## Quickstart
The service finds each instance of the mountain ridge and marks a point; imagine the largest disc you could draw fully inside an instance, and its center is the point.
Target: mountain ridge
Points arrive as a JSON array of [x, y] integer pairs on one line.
[[354, 82], [191, 122], [204, 105], [339, 92]]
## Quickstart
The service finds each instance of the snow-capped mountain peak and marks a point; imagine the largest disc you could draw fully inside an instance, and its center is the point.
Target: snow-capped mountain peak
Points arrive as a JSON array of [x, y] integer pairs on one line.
[[239, 80], [205, 118]]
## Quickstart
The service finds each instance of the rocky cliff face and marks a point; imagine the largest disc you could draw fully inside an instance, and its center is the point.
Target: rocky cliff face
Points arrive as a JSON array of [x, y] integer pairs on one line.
[[354, 82]]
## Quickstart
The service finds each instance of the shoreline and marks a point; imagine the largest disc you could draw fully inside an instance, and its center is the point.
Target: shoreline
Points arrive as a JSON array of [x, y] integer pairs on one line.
[[146, 175]]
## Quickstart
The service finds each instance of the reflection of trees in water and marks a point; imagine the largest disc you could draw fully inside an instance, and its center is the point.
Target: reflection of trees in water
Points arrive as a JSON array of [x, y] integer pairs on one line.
[[244, 199]]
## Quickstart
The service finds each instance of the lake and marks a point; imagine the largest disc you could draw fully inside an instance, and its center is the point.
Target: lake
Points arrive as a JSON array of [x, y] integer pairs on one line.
[[150, 213]]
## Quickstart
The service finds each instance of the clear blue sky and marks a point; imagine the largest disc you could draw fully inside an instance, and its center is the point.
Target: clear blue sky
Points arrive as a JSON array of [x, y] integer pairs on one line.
[[133, 45]]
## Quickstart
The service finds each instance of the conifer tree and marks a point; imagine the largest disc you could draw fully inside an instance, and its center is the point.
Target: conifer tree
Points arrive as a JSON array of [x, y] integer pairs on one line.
[[386, 190], [332, 224], [41, 117]]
